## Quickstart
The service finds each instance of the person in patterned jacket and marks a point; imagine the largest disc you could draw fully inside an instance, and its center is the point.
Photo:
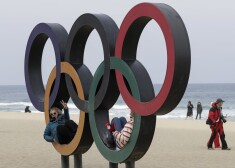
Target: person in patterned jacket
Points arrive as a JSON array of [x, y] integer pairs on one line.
[[120, 130]]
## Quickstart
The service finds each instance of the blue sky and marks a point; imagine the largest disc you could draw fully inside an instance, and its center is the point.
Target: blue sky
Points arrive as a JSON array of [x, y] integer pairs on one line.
[[210, 25]]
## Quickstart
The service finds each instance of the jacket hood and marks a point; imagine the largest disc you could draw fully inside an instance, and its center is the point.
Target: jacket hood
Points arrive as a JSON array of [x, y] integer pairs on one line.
[[213, 104]]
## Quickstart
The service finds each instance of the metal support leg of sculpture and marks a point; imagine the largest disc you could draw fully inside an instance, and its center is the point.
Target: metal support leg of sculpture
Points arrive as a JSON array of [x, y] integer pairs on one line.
[[64, 161]]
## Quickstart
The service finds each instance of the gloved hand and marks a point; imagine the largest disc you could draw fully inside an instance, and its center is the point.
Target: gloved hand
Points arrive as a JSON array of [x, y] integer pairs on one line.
[[109, 126], [224, 120]]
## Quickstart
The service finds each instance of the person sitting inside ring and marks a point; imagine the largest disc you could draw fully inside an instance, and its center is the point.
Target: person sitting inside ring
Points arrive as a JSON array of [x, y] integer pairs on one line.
[[119, 131], [60, 129]]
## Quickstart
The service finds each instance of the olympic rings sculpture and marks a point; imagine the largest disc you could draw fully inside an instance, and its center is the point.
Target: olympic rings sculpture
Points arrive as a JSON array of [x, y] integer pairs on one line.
[[120, 72]]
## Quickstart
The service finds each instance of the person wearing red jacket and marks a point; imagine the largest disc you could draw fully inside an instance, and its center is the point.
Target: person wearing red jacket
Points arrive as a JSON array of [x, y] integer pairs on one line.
[[217, 119], [217, 140]]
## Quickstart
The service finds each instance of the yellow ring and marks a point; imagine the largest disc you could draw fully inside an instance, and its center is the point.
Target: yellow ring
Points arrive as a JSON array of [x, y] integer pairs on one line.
[[66, 149]]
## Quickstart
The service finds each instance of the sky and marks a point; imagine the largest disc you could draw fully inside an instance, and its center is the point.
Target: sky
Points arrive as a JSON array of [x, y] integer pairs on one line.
[[210, 25]]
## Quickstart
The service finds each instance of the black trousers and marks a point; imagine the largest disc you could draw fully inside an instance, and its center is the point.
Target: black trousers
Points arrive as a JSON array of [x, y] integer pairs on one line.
[[199, 115], [222, 137], [66, 132]]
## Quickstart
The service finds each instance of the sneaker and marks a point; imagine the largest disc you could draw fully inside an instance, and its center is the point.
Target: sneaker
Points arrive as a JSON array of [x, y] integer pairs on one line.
[[226, 148], [117, 149]]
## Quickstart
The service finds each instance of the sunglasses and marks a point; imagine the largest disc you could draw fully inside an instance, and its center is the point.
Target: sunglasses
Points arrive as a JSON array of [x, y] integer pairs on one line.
[[53, 113]]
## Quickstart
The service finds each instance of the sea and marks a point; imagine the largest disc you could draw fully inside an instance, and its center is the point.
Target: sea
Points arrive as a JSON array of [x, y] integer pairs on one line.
[[14, 98]]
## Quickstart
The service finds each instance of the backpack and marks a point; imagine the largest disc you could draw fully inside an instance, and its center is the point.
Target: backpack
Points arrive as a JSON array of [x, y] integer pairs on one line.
[[209, 121]]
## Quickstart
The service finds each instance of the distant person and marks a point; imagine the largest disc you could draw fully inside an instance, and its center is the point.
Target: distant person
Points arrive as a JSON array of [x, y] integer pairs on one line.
[[217, 119], [60, 129], [26, 110], [190, 109], [199, 110], [120, 131], [217, 139]]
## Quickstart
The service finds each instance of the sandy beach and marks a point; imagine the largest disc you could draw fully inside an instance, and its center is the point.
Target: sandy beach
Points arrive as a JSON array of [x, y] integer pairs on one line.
[[177, 143]]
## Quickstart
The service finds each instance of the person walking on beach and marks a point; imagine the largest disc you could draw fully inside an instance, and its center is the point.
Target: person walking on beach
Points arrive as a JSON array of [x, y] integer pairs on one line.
[[120, 130], [217, 119], [26, 110], [217, 139], [60, 129], [199, 110], [190, 109]]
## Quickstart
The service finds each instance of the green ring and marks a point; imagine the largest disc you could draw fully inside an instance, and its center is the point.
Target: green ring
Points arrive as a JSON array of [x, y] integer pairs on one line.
[[109, 154]]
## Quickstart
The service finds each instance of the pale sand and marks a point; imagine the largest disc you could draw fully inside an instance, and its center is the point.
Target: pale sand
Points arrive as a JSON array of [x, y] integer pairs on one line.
[[176, 144]]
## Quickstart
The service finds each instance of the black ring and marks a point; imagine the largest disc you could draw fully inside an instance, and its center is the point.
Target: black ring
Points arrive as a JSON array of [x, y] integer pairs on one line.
[[79, 33]]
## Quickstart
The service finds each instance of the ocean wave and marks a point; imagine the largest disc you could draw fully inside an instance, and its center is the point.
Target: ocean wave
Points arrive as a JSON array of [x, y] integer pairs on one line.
[[121, 107], [16, 103], [117, 110], [116, 106]]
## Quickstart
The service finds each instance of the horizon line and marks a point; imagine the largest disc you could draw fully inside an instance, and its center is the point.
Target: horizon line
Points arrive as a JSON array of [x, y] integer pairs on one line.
[[154, 84]]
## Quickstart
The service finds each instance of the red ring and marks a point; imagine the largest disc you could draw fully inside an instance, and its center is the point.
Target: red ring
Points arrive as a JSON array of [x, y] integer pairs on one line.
[[152, 11]]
